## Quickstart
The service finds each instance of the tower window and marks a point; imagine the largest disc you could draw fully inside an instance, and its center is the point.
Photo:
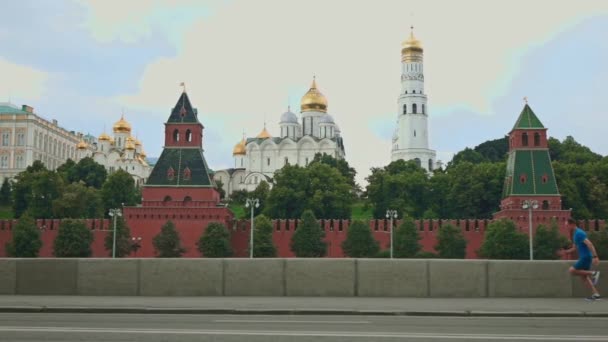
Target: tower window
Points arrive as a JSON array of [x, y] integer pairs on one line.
[[170, 173], [187, 173], [406, 91], [286, 160], [189, 136], [430, 164], [414, 132], [268, 161], [175, 135], [405, 108], [414, 109], [417, 160], [536, 139], [413, 92], [545, 205], [423, 111], [524, 139], [523, 178]]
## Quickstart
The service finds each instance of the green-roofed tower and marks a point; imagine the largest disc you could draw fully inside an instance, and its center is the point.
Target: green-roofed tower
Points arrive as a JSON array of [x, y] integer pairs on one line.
[[529, 175]]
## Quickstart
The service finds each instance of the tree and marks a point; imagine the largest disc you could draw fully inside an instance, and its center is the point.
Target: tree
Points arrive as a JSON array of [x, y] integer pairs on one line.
[[5, 192], [73, 240], [360, 242], [261, 193], [263, 246], [600, 242], [307, 241], [341, 165], [219, 186], [88, 171], [406, 239], [118, 189], [167, 243], [123, 238], [215, 242], [503, 241], [78, 201], [451, 243], [34, 190], [25, 241], [547, 242]]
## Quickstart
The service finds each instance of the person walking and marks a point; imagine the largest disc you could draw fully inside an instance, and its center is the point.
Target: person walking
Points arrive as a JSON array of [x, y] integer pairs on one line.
[[587, 255]]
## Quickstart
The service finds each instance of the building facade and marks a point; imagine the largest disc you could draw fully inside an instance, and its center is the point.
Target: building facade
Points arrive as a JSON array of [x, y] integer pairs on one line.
[[26, 137], [256, 159], [411, 138]]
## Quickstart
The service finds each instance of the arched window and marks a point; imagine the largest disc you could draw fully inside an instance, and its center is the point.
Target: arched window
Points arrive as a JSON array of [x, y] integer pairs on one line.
[[188, 136], [430, 164], [413, 92], [187, 199], [524, 139], [536, 139], [170, 173], [418, 162], [175, 135], [414, 109], [187, 173], [423, 111], [414, 133], [404, 109], [167, 199], [545, 205]]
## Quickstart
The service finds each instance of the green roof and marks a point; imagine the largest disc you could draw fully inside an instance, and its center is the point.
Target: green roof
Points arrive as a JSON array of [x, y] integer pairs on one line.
[[8, 109], [179, 159], [183, 111], [528, 120], [529, 172]]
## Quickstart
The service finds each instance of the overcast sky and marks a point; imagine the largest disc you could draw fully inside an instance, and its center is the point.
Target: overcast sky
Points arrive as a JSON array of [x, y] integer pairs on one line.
[[244, 61]]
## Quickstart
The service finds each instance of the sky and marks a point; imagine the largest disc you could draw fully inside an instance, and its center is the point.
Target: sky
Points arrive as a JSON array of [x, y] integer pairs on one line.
[[85, 62]]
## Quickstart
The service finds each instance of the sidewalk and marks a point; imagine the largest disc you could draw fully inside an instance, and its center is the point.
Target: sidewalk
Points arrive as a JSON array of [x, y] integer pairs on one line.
[[507, 307]]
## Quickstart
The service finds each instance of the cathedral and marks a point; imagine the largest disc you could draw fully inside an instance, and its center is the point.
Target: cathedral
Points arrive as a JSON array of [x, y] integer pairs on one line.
[[120, 152], [411, 138], [257, 158]]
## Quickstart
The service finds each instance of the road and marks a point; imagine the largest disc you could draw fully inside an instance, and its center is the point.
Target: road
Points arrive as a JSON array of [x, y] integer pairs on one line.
[[32, 327]]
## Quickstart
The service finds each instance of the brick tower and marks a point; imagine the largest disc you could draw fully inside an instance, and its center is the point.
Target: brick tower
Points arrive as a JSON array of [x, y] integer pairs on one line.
[[530, 176], [179, 188]]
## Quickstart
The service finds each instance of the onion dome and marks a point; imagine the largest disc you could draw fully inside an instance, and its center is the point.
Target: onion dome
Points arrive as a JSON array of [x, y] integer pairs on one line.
[[313, 100], [82, 145], [326, 119], [104, 137], [122, 126], [239, 148], [264, 134], [137, 142], [411, 44], [142, 154], [288, 117], [129, 145]]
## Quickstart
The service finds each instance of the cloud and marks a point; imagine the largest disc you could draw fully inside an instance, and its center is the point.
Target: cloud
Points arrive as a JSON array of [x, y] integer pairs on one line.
[[21, 81]]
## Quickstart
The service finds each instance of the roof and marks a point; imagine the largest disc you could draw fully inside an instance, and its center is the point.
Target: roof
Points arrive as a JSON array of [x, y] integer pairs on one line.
[[9, 108], [179, 159], [183, 111], [529, 172], [528, 120]]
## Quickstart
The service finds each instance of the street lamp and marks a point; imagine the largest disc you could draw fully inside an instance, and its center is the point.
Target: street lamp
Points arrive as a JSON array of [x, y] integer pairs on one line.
[[391, 214], [251, 203], [135, 244], [114, 213], [530, 204]]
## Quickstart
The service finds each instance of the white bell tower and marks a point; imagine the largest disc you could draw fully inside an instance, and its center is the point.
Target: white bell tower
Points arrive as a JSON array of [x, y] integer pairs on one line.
[[411, 138]]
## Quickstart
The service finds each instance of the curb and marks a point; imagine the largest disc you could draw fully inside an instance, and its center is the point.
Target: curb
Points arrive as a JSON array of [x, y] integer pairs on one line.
[[318, 312]]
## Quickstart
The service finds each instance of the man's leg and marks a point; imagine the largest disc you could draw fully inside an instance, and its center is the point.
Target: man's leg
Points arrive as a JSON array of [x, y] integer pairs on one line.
[[589, 284]]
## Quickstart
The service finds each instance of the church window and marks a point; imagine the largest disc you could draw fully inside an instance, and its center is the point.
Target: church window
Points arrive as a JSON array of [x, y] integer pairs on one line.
[[286, 160], [405, 107], [423, 109], [414, 109], [187, 173], [175, 135], [430, 164], [268, 161], [406, 91], [170, 173], [523, 178], [188, 136], [536, 139], [418, 162], [545, 205], [413, 92]]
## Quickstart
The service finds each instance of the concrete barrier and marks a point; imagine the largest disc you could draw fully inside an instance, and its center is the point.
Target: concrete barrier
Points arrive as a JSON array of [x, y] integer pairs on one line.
[[180, 277], [46, 276], [108, 277], [320, 277], [454, 278], [392, 278], [510, 278], [8, 276], [259, 277], [579, 290]]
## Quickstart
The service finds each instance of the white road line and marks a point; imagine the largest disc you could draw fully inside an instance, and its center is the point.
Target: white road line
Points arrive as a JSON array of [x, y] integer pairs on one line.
[[284, 321], [309, 334]]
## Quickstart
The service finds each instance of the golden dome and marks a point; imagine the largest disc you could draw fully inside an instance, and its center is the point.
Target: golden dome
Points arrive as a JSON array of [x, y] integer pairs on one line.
[[264, 134], [313, 100], [104, 137], [122, 126], [137, 142], [129, 145], [411, 44], [239, 148], [142, 154], [82, 145]]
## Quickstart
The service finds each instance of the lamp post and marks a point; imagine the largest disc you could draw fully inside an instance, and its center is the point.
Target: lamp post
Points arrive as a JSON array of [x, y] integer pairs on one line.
[[135, 244], [391, 214], [251, 203], [530, 204], [114, 213]]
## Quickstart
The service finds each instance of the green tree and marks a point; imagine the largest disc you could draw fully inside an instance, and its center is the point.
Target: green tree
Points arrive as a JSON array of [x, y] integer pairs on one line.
[[123, 238], [261, 192], [34, 191], [118, 189], [547, 242], [88, 171], [78, 201], [307, 241], [451, 244], [219, 186], [215, 242], [360, 242], [503, 241], [25, 241], [73, 240], [5, 192], [263, 246], [167, 243], [406, 239], [341, 165], [600, 242]]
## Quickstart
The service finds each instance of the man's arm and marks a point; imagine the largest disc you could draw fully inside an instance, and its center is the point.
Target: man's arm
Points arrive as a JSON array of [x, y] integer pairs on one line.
[[589, 244]]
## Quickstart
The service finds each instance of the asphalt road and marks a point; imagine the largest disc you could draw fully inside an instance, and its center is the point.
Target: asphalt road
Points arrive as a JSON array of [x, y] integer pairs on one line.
[[253, 328]]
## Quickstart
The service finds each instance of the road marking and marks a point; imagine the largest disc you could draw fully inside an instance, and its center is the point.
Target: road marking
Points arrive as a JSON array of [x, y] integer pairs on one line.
[[308, 334], [284, 321]]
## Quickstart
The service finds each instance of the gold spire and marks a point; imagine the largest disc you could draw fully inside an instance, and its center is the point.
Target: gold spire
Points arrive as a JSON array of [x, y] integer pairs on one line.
[[103, 137], [264, 133], [122, 126], [313, 100], [411, 44]]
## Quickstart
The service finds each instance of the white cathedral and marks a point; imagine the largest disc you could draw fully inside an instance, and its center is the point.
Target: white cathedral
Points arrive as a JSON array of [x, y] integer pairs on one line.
[[411, 138], [256, 159]]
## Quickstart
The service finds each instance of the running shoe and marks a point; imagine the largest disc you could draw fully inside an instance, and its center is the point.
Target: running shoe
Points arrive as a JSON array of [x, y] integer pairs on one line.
[[595, 277]]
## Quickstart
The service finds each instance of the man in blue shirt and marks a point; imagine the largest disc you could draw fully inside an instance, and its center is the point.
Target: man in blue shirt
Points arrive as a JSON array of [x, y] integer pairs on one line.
[[586, 256]]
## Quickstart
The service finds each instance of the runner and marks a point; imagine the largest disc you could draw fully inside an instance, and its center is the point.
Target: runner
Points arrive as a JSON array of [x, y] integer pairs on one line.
[[587, 255]]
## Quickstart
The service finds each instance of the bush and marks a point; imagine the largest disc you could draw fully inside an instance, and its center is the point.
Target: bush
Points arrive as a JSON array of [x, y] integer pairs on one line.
[[307, 241], [263, 246], [123, 238], [426, 255], [384, 254], [73, 240], [503, 241], [215, 242], [547, 241], [451, 243], [406, 239], [167, 243], [25, 242], [360, 242]]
